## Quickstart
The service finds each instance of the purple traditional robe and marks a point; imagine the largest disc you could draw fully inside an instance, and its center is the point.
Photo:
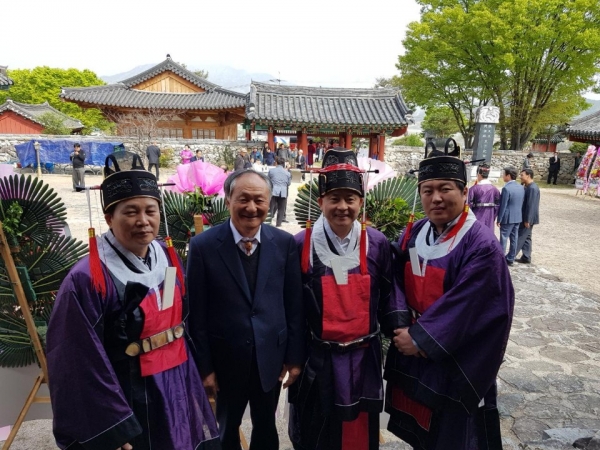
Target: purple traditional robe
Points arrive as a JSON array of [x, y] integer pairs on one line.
[[484, 201], [461, 305], [340, 389], [99, 398]]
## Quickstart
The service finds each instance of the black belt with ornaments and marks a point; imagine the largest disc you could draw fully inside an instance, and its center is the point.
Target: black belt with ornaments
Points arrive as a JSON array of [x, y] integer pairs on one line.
[[342, 347]]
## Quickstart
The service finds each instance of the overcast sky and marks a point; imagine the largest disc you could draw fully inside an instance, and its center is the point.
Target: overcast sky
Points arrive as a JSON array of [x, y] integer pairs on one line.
[[311, 42]]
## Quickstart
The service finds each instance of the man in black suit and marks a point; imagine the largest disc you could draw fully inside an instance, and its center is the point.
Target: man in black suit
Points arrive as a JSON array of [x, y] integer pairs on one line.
[[531, 215], [553, 168], [246, 313]]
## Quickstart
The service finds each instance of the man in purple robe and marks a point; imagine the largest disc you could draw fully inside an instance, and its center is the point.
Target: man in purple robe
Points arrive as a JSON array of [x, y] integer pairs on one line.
[[121, 369], [451, 276], [484, 198], [336, 403]]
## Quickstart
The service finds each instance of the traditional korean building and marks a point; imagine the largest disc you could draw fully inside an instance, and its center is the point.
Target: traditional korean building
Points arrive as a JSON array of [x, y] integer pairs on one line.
[[585, 129], [5, 81], [541, 144], [183, 104], [23, 118], [342, 114]]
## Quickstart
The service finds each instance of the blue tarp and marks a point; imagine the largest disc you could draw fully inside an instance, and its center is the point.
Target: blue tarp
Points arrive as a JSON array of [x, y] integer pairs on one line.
[[58, 151]]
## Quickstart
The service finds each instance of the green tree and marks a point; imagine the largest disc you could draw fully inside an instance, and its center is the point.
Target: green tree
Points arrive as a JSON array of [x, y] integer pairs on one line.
[[53, 124], [440, 121], [43, 84], [410, 140], [531, 58]]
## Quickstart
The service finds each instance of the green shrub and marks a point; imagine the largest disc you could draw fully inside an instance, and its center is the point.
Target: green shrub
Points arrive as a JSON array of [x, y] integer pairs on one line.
[[578, 147], [166, 157], [410, 140]]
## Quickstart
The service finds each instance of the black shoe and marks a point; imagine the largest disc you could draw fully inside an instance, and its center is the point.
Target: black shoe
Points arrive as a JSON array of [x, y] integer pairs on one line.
[[523, 260], [285, 221], [510, 263]]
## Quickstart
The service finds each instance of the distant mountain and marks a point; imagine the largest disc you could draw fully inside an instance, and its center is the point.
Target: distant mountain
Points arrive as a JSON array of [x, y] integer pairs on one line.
[[591, 110], [225, 76]]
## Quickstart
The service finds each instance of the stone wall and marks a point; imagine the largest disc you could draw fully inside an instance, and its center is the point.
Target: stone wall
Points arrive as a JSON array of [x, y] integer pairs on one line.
[[403, 159]]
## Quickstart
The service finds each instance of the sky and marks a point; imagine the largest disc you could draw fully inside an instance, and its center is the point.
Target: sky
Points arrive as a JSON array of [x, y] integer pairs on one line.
[[308, 42]]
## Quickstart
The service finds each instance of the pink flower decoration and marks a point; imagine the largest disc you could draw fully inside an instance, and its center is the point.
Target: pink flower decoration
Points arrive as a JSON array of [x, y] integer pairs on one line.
[[207, 176]]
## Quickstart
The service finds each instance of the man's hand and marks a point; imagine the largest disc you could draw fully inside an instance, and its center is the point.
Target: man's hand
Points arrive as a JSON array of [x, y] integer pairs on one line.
[[126, 447], [292, 371], [404, 343], [210, 384], [526, 224]]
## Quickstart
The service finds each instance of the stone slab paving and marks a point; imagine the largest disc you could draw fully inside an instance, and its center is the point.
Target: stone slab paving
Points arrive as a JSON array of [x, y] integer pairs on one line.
[[549, 385]]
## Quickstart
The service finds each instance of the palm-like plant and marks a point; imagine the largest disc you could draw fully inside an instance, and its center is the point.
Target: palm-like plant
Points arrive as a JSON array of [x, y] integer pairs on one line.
[[180, 210], [36, 218]]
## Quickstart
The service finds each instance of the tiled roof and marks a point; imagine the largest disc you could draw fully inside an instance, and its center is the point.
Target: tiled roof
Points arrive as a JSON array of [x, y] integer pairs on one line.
[[272, 104], [168, 65], [585, 127], [33, 113], [120, 95], [5, 81]]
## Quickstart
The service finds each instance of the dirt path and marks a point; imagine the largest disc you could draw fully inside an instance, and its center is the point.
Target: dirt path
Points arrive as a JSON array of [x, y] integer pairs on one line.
[[566, 240]]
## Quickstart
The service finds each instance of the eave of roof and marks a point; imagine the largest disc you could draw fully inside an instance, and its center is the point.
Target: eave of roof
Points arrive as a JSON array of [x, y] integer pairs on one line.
[[586, 126], [120, 96], [271, 104], [165, 66], [33, 112]]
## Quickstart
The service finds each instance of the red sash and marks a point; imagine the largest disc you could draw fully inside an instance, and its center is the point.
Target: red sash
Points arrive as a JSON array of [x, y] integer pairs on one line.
[[346, 308], [155, 321], [422, 292]]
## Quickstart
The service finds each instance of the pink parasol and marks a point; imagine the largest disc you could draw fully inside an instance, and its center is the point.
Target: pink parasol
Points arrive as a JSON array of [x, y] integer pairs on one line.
[[206, 176], [385, 171]]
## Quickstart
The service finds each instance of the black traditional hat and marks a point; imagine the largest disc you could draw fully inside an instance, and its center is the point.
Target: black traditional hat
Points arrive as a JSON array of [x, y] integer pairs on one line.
[[121, 184], [442, 166], [340, 171]]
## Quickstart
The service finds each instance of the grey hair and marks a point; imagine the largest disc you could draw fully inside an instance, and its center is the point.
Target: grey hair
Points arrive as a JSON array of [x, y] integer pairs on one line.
[[511, 171], [229, 185]]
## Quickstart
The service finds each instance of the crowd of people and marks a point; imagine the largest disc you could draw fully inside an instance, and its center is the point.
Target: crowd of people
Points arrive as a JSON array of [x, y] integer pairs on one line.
[[137, 345]]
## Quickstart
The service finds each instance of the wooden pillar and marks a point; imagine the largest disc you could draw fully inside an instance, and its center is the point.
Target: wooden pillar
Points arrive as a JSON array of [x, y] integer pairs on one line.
[[271, 139], [248, 134], [342, 139], [381, 147], [372, 145], [303, 141], [349, 139]]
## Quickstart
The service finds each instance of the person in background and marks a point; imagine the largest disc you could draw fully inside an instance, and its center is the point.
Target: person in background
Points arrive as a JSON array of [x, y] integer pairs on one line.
[[576, 164], [153, 155], [78, 160], [198, 156], [269, 159], [527, 161], [256, 155], [283, 152], [531, 216], [311, 153], [281, 178], [186, 154], [553, 168], [301, 162], [484, 197], [510, 213]]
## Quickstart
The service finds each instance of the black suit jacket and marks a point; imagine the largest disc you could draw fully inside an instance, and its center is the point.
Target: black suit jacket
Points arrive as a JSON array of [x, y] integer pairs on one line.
[[531, 204], [227, 321]]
